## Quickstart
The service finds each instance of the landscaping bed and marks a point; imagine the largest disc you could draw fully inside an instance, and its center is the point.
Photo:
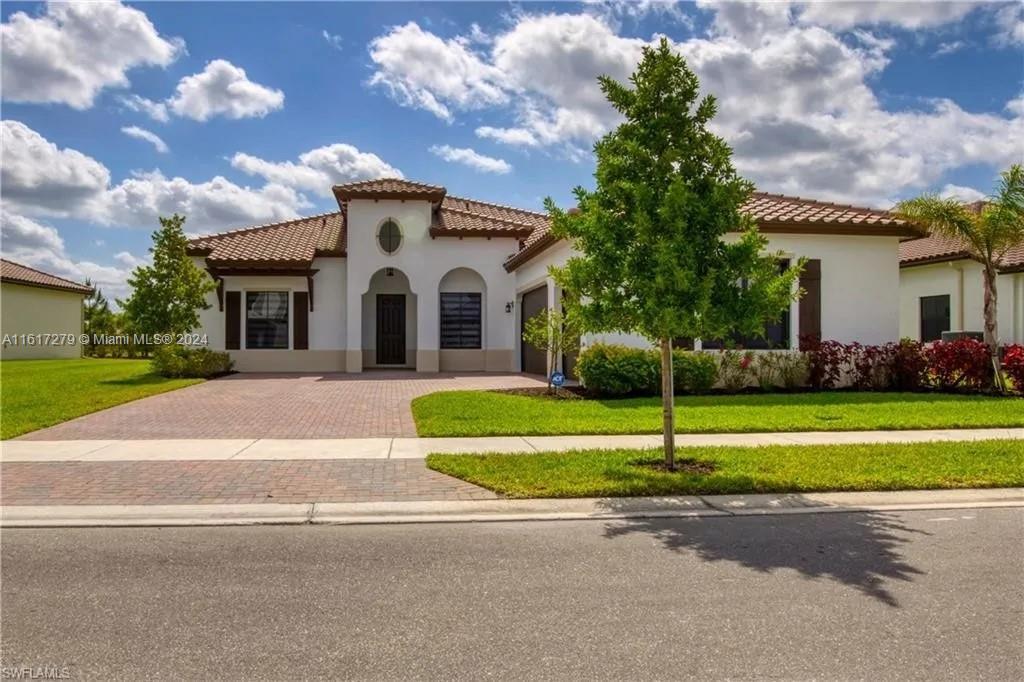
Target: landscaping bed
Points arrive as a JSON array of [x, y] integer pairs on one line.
[[486, 413], [743, 470], [35, 394]]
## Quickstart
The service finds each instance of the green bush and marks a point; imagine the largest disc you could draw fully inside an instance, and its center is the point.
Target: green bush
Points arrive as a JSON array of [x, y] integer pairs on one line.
[[615, 370], [176, 362]]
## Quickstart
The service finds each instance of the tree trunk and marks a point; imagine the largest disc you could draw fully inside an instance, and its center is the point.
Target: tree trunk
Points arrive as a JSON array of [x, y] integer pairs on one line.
[[668, 404], [992, 327]]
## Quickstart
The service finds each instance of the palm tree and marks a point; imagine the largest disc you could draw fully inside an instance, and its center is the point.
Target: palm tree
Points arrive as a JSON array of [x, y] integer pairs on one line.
[[988, 229]]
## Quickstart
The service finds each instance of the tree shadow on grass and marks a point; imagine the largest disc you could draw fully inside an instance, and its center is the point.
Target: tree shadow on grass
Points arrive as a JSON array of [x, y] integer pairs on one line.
[[859, 549], [140, 380]]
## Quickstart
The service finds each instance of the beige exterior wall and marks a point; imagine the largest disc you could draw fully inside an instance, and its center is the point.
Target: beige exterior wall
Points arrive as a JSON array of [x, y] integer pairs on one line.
[[35, 310]]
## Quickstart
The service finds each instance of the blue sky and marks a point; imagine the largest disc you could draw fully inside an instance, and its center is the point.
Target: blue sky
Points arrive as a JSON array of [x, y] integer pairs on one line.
[[856, 102]]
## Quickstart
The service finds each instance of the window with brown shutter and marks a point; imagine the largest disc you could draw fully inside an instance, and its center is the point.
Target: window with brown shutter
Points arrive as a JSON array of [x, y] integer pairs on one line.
[[300, 321], [233, 320], [810, 304]]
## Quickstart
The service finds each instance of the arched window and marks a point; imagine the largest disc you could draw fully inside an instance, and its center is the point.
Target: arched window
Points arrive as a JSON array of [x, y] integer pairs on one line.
[[389, 236]]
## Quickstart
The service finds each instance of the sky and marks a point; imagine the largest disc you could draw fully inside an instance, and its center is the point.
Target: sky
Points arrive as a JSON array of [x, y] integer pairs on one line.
[[236, 114]]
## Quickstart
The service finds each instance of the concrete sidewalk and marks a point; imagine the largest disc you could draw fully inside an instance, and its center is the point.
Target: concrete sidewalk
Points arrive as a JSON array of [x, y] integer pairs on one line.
[[354, 513], [418, 448]]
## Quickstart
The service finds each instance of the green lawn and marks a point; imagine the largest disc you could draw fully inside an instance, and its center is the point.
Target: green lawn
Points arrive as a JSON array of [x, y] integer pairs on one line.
[[486, 413], [770, 469], [39, 393]]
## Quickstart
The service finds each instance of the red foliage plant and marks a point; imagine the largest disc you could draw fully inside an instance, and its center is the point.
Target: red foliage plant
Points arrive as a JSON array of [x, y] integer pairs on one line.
[[827, 360], [1013, 365], [963, 363]]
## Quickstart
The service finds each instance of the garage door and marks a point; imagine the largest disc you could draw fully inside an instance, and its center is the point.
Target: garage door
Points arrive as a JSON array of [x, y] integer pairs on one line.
[[533, 359]]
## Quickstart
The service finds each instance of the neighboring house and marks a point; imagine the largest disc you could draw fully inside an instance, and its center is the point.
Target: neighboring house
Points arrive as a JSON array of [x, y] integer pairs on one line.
[[34, 304], [404, 275], [942, 289]]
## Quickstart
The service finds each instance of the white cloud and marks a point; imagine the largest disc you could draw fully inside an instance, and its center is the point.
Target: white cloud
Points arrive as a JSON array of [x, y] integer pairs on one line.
[[949, 48], [1010, 22], [909, 15], [333, 40], [965, 194], [35, 172], [471, 158], [72, 51], [318, 169], [795, 100], [155, 110], [519, 137], [41, 179], [143, 134], [424, 71], [223, 89], [40, 246]]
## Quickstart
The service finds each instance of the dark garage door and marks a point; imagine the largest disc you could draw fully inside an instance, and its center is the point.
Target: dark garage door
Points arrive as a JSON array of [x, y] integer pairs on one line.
[[533, 359]]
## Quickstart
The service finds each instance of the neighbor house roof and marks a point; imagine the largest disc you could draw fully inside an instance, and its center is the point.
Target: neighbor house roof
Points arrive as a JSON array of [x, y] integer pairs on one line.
[[16, 273], [292, 244], [939, 249], [775, 213]]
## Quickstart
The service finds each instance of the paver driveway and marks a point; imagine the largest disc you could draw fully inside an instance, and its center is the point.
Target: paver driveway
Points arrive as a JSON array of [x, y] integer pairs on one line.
[[278, 406]]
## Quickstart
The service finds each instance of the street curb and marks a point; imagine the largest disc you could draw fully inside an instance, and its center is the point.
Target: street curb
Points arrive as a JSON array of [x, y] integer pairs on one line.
[[476, 511]]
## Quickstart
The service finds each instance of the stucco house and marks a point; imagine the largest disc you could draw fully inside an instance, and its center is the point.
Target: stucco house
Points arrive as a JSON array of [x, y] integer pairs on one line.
[[942, 289], [406, 275], [35, 303]]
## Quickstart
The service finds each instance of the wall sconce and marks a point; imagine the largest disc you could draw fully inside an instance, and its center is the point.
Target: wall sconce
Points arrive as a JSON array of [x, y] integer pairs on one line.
[[510, 306]]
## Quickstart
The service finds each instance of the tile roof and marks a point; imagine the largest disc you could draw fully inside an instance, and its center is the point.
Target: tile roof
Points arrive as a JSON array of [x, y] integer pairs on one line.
[[467, 217], [939, 249], [16, 273], [388, 188], [774, 213], [288, 244]]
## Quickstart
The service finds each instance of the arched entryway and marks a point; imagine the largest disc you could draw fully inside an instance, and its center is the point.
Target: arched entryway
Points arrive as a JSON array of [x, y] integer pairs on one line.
[[389, 321], [462, 296]]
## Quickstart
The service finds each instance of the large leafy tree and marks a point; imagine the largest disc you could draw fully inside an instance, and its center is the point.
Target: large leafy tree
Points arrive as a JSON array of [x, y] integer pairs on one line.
[[651, 235], [988, 229], [166, 295]]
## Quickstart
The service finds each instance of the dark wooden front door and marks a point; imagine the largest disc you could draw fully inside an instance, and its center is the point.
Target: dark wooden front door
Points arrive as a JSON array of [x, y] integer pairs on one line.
[[534, 361], [390, 329]]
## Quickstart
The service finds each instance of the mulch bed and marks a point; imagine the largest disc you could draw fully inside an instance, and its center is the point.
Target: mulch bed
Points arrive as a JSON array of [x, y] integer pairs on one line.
[[563, 393]]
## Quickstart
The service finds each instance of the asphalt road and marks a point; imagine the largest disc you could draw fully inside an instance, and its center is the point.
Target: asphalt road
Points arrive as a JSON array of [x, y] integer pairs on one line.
[[921, 595]]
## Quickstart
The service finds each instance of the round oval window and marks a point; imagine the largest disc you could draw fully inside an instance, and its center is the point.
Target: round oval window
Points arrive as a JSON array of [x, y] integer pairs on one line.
[[389, 237]]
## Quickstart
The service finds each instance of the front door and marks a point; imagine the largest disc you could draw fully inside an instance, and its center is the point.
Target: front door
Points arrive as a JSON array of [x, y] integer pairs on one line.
[[390, 329], [534, 360]]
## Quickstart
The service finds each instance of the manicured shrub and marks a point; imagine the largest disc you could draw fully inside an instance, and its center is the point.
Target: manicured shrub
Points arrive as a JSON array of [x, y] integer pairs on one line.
[[176, 361], [615, 370], [766, 370], [1013, 366], [694, 372], [960, 364], [872, 365], [734, 370], [907, 365]]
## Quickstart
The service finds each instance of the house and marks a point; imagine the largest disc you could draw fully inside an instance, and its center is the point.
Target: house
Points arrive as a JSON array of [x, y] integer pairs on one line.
[[942, 289], [406, 275], [40, 314]]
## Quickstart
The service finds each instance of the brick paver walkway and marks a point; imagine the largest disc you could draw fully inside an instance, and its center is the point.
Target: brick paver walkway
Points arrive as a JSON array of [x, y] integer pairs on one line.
[[212, 482], [278, 406]]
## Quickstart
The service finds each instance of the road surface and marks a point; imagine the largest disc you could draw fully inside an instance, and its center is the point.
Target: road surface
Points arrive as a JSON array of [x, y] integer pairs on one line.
[[918, 595]]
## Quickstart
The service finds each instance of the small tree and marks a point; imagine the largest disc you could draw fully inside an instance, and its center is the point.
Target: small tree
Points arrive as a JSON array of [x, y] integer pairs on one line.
[[97, 317], [553, 332], [988, 229], [166, 295], [653, 259]]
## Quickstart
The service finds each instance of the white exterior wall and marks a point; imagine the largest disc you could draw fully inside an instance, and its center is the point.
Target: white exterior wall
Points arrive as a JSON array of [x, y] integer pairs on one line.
[[425, 261], [858, 278], [35, 310], [963, 282]]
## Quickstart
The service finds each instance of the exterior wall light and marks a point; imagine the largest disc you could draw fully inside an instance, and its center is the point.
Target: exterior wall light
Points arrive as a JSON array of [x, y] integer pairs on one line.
[[510, 306]]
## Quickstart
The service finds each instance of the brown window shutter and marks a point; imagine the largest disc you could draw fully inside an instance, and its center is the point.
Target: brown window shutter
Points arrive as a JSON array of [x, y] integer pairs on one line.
[[810, 304], [300, 321], [232, 320]]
